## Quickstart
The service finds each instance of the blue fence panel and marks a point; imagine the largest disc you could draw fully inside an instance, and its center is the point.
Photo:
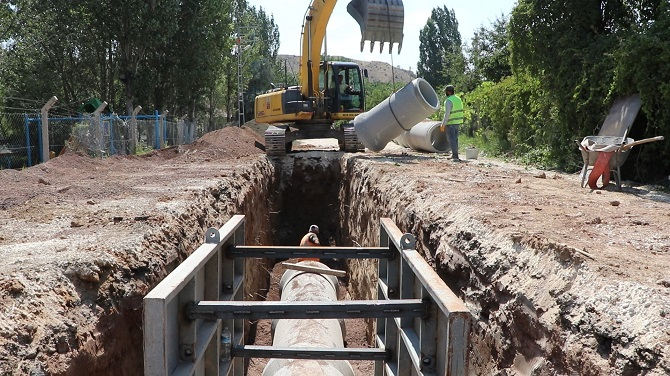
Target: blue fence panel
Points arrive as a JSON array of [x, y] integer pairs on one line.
[[21, 136]]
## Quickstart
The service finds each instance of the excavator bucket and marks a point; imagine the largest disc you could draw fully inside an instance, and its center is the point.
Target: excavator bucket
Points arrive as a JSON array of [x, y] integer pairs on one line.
[[380, 20]]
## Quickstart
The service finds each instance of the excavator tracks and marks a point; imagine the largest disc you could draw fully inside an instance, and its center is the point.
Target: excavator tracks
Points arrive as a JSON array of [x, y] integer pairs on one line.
[[275, 141], [276, 145], [351, 142]]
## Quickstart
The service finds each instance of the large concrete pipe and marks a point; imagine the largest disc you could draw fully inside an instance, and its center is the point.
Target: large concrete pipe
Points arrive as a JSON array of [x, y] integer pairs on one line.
[[306, 286], [396, 114], [425, 136]]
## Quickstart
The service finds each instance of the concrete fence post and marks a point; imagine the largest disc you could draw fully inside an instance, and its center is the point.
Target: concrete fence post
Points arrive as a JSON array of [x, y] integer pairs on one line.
[[45, 128], [133, 130], [98, 129], [162, 128], [192, 130], [180, 130]]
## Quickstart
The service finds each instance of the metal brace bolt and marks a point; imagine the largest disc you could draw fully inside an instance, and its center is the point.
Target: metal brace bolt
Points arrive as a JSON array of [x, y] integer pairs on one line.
[[426, 360], [188, 352]]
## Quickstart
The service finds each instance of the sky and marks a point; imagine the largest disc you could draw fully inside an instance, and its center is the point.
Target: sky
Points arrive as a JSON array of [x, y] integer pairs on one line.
[[343, 34]]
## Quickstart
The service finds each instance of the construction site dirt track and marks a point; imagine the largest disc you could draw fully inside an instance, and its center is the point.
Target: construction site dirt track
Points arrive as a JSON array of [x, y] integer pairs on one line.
[[52, 214]]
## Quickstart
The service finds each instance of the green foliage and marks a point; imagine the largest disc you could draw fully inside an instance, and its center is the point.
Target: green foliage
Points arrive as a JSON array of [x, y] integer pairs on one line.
[[6, 21], [643, 66], [515, 115], [489, 54], [570, 60], [376, 92], [162, 55], [260, 63], [441, 59]]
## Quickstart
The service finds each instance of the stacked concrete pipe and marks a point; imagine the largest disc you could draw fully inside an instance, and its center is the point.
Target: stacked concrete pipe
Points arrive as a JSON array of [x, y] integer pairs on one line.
[[425, 136], [305, 286], [396, 114]]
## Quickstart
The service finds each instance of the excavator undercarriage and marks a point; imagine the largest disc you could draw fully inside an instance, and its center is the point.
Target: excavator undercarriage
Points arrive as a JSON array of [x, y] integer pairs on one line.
[[279, 138]]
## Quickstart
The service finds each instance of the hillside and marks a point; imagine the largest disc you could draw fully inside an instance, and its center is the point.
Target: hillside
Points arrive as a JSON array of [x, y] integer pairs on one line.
[[377, 71]]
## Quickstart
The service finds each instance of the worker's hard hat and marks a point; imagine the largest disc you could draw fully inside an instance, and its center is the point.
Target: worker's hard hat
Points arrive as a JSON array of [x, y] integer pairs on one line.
[[313, 228], [450, 88]]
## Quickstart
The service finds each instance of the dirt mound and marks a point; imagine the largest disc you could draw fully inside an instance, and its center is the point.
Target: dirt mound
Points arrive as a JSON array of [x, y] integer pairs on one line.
[[232, 142]]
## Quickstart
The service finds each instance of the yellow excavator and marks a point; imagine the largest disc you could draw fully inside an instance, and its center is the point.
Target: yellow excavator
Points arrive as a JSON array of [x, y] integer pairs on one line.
[[328, 90]]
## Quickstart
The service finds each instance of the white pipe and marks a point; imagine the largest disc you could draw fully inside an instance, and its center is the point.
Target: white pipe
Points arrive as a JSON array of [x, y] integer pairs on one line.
[[398, 113], [303, 286], [425, 136]]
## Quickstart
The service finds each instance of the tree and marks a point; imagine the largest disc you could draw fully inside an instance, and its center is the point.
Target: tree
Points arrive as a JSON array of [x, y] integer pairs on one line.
[[162, 54], [140, 27], [210, 23], [261, 61], [43, 53], [6, 21], [441, 60], [259, 46], [642, 66], [571, 49], [489, 55]]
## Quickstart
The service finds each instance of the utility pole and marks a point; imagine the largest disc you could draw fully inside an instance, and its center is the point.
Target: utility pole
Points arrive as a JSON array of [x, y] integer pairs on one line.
[[240, 89]]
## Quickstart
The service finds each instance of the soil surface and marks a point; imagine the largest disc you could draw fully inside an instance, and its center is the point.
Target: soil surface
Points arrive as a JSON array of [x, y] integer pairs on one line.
[[54, 216]]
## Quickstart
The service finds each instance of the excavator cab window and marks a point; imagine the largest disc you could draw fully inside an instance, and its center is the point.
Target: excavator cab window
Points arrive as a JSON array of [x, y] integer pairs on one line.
[[346, 89]]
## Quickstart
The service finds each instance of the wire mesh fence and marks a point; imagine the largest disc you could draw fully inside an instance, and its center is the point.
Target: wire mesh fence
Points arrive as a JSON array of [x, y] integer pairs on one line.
[[16, 148], [21, 143]]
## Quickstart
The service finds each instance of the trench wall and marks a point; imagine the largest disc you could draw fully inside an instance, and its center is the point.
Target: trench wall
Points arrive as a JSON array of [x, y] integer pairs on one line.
[[536, 308], [115, 346]]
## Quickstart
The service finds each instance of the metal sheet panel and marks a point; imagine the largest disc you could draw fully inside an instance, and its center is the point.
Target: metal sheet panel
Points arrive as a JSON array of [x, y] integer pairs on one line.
[[621, 116]]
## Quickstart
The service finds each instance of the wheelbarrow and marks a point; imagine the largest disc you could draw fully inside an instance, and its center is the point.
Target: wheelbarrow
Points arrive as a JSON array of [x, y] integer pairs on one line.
[[605, 154]]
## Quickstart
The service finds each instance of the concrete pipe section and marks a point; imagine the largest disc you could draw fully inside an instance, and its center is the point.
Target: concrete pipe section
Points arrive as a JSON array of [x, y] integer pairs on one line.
[[304, 286], [396, 114], [425, 136]]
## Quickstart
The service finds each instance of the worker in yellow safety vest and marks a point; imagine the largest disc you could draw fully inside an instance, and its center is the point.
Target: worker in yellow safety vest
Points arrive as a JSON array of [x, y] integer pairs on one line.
[[453, 117], [310, 239]]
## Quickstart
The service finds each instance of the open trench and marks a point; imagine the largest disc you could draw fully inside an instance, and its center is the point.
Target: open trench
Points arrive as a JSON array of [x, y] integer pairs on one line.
[[514, 331]]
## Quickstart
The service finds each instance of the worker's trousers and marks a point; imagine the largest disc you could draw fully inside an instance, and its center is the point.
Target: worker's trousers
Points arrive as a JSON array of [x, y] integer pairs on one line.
[[452, 136]]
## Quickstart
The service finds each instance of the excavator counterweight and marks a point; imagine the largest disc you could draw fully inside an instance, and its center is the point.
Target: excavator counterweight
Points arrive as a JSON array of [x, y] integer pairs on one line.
[[380, 21]]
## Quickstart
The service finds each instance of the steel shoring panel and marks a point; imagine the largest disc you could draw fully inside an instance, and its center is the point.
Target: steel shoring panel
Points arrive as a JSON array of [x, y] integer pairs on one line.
[[248, 351], [253, 310], [312, 252]]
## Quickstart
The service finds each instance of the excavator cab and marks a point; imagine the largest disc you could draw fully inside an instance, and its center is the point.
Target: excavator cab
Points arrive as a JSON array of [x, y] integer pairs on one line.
[[343, 90]]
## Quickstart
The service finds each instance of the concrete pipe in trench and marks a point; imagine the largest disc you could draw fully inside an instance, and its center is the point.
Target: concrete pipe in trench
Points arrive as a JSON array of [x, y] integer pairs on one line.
[[396, 114], [304, 286], [425, 136]]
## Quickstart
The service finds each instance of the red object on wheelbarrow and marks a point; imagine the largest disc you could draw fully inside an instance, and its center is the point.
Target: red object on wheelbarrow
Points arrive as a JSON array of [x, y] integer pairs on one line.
[[605, 153]]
